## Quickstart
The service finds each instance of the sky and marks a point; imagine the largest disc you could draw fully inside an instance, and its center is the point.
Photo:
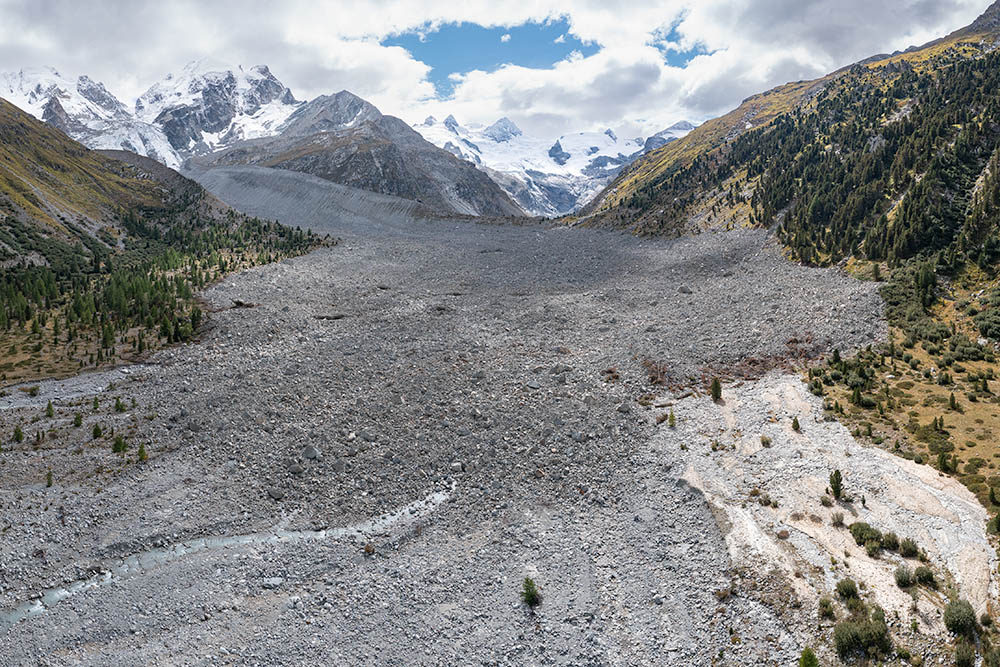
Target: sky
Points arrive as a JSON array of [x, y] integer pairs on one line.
[[552, 66]]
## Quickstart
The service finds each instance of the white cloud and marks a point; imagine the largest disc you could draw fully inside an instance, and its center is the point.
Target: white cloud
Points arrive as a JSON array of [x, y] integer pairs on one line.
[[317, 47], [561, 39], [505, 37]]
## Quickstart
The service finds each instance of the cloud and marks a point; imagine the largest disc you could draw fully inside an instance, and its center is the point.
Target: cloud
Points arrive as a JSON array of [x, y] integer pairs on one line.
[[561, 39], [317, 46], [505, 37]]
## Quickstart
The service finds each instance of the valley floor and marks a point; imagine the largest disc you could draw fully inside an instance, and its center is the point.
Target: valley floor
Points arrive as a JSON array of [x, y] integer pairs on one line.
[[457, 406]]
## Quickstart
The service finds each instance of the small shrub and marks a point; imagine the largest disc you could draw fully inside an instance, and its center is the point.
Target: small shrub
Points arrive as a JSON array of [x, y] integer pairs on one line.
[[48, 479], [808, 658], [826, 608], [846, 589], [119, 406], [965, 656], [97, 432], [49, 410], [908, 548], [765, 441], [837, 519], [985, 620], [873, 548], [716, 390], [904, 576], [795, 424], [672, 420], [142, 452], [863, 533], [18, 434], [863, 637], [960, 618], [854, 605], [529, 593], [826, 501], [890, 542], [119, 446], [77, 420], [923, 575]]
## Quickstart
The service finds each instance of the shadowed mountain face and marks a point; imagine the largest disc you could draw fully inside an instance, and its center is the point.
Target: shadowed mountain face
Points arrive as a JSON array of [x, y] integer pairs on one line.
[[55, 193], [346, 140]]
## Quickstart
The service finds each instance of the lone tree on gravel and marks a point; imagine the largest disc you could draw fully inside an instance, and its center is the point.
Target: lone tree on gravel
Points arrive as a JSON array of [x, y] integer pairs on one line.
[[530, 594], [836, 484], [716, 390], [808, 658]]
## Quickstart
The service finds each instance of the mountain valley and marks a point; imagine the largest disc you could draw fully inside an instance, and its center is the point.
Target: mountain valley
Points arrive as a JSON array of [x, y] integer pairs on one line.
[[296, 381]]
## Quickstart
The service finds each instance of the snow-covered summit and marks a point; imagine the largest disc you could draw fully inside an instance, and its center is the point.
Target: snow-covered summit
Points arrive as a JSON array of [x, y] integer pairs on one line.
[[206, 107], [85, 110], [502, 130]]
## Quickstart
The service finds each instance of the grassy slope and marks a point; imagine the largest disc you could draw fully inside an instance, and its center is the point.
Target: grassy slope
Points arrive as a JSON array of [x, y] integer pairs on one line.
[[49, 179], [761, 110]]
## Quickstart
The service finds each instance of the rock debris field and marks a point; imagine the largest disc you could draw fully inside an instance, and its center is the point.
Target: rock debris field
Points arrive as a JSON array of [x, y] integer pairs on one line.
[[363, 467]]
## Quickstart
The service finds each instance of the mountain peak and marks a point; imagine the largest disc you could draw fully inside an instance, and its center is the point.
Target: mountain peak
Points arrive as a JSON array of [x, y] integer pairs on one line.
[[328, 113], [430, 121], [502, 130], [451, 123]]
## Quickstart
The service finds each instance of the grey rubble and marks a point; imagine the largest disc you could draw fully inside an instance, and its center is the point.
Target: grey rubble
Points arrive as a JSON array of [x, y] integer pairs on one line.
[[466, 360]]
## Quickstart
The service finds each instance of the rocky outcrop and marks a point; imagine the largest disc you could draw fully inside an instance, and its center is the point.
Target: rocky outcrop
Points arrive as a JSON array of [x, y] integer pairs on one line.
[[346, 140]]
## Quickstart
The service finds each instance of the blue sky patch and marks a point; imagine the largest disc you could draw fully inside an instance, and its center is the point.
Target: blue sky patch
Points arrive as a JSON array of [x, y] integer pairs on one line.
[[666, 44], [457, 48]]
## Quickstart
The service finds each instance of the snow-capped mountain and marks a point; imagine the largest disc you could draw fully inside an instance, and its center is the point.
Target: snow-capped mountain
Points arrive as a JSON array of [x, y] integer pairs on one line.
[[347, 140], [545, 176], [200, 110], [86, 111], [205, 108]]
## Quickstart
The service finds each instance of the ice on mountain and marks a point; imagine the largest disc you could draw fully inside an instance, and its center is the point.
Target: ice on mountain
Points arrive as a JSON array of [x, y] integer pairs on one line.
[[502, 131]]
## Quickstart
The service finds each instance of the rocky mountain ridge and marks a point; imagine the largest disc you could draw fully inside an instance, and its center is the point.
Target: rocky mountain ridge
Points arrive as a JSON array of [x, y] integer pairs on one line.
[[544, 176], [346, 140]]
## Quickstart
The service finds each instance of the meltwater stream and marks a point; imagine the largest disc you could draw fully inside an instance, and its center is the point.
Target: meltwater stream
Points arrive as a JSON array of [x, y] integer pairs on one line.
[[149, 559]]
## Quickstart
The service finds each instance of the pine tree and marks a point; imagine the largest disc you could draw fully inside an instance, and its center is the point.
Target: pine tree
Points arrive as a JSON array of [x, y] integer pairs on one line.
[[795, 424], [952, 403], [49, 410], [18, 434], [48, 479], [142, 451], [836, 484], [77, 420], [993, 496], [808, 657], [97, 431], [671, 420], [529, 593], [716, 390]]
